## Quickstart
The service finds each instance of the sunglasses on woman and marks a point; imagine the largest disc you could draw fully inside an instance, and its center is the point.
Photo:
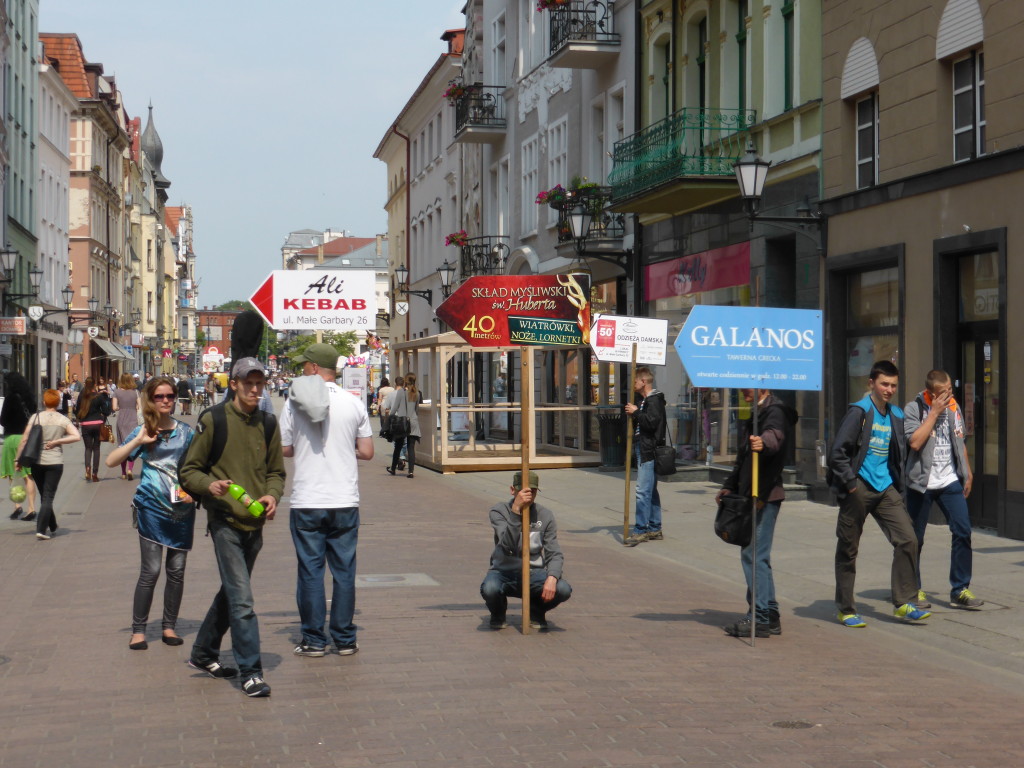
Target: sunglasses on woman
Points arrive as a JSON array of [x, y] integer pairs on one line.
[[162, 397]]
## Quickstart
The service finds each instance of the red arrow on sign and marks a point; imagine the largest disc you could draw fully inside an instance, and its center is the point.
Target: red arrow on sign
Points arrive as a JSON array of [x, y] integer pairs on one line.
[[263, 300], [512, 310]]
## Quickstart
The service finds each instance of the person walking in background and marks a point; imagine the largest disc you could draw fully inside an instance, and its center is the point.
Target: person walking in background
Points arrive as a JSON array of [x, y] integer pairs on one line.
[[772, 442], [402, 405], [58, 431], [325, 429], [649, 425], [382, 398], [66, 400], [126, 406], [938, 471], [19, 405], [164, 515], [93, 410], [185, 395], [867, 469]]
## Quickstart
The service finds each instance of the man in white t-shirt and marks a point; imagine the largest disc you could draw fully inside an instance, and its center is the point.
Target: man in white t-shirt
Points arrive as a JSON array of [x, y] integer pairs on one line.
[[938, 471], [325, 429]]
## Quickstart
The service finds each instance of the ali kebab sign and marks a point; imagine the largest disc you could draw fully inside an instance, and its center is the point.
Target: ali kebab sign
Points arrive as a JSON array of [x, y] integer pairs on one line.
[[518, 310], [318, 300]]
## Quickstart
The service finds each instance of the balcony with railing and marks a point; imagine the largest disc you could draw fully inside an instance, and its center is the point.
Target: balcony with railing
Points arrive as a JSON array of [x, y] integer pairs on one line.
[[485, 255], [583, 34], [479, 113], [604, 226], [680, 163]]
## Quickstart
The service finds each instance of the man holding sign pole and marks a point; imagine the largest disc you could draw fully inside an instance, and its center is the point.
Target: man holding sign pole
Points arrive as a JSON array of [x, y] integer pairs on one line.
[[547, 587], [649, 425]]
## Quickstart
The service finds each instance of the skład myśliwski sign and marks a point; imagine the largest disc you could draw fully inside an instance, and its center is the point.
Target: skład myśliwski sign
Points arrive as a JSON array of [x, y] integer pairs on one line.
[[752, 347], [318, 300]]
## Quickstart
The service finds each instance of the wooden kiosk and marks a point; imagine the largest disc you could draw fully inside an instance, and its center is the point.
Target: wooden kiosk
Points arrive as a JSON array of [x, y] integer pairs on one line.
[[471, 417]]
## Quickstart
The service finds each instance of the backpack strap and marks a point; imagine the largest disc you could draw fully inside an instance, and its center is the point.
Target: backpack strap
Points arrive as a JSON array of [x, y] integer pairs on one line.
[[220, 430]]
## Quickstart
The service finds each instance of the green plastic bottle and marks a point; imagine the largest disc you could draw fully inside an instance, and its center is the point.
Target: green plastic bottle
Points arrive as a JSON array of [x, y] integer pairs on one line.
[[255, 508]]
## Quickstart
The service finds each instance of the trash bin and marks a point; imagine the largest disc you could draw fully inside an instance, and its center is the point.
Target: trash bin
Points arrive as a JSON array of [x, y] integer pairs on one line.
[[612, 421]]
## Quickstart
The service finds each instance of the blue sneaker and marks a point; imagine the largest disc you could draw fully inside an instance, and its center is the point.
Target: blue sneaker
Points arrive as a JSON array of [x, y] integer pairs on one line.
[[851, 620], [910, 612]]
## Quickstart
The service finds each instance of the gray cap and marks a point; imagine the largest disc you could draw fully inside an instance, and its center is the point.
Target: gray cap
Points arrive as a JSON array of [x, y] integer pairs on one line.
[[245, 366]]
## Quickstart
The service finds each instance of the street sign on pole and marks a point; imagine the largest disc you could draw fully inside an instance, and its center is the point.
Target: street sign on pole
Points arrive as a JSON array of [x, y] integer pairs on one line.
[[613, 336], [752, 347], [520, 310], [318, 300]]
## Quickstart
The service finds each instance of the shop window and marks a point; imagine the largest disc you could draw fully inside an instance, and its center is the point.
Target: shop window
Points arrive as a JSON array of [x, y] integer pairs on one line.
[[969, 107], [979, 287], [872, 323]]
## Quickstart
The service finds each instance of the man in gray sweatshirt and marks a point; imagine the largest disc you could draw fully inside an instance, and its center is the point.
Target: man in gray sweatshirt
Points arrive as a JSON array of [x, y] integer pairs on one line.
[[504, 579]]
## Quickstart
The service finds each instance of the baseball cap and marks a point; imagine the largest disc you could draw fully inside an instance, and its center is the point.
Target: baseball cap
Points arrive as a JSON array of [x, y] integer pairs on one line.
[[324, 355], [517, 480], [245, 366]]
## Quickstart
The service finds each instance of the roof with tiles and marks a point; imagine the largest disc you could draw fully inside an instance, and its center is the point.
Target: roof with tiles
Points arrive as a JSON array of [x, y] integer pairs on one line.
[[172, 215], [66, 50], [339, 246]]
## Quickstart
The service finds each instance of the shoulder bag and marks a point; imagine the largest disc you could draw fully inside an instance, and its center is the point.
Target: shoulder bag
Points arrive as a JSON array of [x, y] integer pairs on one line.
[[665, 460], [33, 448], [732, 523], [398, 425]]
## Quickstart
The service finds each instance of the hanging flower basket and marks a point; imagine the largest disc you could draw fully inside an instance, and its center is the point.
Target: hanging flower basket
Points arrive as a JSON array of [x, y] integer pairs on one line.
[[456, 90], [544, 5], [458, 239], [554, 197]]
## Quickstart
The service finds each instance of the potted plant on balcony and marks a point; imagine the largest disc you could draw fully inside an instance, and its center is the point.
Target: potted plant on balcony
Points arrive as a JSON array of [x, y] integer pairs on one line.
[[459, 239], [555, 197], [455, 91], [544, 5]]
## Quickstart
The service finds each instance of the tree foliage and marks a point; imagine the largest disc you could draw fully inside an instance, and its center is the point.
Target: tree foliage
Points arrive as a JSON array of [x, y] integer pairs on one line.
[[292, 347]]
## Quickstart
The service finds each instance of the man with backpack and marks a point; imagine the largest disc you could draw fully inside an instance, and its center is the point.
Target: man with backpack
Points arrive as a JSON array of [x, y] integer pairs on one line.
[[236, 444], [866, 467]]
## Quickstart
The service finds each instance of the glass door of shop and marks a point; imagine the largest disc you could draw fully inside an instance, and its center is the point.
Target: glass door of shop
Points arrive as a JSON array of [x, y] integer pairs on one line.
[[979, 393]]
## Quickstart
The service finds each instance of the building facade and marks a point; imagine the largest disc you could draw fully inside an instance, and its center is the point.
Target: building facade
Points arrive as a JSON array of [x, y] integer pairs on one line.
[[922, 167]]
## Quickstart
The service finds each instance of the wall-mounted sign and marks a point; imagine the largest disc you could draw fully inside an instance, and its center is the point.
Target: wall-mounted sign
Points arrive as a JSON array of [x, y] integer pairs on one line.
[[318, 299], [12, 326]]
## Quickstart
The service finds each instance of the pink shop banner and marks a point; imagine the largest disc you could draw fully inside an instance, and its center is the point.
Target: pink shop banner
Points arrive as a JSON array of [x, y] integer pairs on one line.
[[705, 271]]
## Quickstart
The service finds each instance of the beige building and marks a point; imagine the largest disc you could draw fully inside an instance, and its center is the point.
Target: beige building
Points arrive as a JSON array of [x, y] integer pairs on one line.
[[923, 168]]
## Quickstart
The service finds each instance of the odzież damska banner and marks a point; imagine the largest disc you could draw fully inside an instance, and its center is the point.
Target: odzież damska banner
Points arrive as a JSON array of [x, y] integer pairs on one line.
[[518, 310], [318, 300]]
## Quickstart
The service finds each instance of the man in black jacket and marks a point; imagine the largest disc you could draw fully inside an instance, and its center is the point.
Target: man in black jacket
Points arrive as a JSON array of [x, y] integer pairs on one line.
[[648, 432], [772, 441]]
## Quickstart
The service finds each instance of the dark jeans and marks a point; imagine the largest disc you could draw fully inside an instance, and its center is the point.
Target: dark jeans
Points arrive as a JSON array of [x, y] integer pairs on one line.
[[498, 586], [890, 514], [233, 606], [91, 439], [410, 445], [326, 536], [174, 585], [47, 478], [953, 503]]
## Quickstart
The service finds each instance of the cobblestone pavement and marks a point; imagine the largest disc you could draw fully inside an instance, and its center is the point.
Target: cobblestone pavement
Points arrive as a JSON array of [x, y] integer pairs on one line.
[[635, 670]]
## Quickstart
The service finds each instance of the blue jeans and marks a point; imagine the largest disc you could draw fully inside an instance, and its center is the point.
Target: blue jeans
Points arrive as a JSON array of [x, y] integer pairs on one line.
[[766, 602], [648, 500], [498, 586], [953, 504], [233, 606], [326, 535]]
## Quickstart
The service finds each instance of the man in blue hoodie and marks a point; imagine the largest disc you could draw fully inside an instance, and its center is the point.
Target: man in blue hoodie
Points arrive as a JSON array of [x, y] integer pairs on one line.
[[866, 466]]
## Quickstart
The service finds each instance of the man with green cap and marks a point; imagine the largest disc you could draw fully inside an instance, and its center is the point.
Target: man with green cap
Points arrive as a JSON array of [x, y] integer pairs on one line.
[[547, 587]]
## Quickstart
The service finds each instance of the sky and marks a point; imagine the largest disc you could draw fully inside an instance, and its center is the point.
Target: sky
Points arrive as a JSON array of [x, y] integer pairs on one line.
[[269, 112]]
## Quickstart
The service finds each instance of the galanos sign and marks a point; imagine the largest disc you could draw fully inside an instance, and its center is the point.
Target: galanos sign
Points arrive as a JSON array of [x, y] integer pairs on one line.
[[318, 299]]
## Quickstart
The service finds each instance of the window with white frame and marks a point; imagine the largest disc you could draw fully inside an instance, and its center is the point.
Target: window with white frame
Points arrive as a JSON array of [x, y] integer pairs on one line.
[[616, 126], [969, 107], [597, 142], [867, 141], [500, 213], [498, 74], [558, 157], [530, 184]]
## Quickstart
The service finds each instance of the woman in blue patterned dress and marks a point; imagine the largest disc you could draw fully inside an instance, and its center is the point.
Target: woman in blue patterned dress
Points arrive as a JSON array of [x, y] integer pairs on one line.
[[165, 514]]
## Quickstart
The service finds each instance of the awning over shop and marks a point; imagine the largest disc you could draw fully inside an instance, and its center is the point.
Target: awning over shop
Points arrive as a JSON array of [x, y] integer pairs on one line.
[[110, 351]]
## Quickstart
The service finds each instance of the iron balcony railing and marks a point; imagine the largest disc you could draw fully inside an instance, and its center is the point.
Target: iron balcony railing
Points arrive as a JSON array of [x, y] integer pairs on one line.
[[604, 225], [582, 21], [486, 255], [480, 106], [690, 142]]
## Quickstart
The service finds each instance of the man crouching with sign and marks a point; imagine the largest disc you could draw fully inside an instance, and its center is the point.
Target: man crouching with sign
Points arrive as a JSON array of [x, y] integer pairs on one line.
[[547, 587]]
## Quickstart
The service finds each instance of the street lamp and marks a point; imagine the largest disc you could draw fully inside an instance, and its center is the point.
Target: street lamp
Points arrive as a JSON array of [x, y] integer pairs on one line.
[[402, 273], [35, 277], [69, 295], [8, 261], [751, 174], [94, 305], [447, 273], [580, 220]]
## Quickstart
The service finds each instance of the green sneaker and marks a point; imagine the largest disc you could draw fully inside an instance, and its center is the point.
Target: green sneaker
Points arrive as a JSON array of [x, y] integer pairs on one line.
[[910, 612], [851, 620], [965, 599], [922, 600]]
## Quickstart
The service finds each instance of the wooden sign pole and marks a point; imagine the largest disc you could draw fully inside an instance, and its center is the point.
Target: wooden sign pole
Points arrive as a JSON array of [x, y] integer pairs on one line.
[[629, 446], [526, 435]]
